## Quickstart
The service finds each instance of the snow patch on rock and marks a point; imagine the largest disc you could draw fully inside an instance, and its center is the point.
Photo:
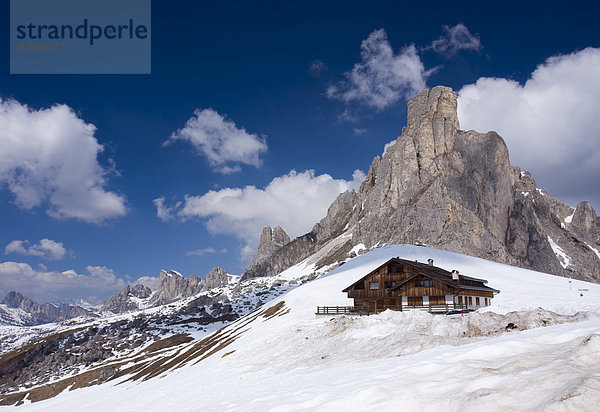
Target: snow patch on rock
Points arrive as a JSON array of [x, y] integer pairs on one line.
[[560, 254]]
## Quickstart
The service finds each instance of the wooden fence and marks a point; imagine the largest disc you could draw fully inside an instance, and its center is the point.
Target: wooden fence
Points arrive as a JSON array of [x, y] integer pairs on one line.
[[351, 310], [335, 310]]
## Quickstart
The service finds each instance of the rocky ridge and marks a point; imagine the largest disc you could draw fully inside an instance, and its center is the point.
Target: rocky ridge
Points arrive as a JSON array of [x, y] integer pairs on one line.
[[456, 190], [21, 310], [169, 287]]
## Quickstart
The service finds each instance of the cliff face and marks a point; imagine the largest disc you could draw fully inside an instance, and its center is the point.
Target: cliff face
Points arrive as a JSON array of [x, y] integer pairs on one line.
[[122, 302], [271, 240], [454, 190]]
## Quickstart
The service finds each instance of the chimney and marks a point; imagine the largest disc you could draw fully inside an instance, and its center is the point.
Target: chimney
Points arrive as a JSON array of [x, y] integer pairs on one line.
[[455, 275], [430, 262]]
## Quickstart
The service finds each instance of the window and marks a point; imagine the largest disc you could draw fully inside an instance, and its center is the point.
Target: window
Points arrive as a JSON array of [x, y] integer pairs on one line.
[[424, 283], [373, 285], [390, 284], [477, 301], [395, 269], [359, 286]]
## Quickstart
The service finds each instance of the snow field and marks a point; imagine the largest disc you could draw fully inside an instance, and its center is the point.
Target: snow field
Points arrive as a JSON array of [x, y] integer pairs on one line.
[[548, 360]]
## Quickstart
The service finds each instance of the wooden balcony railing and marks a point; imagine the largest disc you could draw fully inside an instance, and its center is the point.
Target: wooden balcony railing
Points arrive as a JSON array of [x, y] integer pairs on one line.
[[367, 310], [334, 310]]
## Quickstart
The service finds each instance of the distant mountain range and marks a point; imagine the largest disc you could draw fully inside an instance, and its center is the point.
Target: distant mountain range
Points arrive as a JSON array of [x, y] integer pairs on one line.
[[19, 310]]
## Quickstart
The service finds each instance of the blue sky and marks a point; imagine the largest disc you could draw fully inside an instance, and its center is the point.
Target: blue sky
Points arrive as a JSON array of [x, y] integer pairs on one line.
[[277, 96]]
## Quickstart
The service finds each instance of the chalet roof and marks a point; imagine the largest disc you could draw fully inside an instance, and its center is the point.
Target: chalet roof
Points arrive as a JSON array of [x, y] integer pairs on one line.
[[450, 282], [371, 272], [431, 271]]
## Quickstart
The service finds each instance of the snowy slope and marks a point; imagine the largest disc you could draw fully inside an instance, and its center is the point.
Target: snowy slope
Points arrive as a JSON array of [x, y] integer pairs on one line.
[[282, 357], [14, 316]]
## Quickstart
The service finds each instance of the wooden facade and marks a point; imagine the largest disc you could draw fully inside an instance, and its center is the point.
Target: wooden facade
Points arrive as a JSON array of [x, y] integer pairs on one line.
[[401, 284]]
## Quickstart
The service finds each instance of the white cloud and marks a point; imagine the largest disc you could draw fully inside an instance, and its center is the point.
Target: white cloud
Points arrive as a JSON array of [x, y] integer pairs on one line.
[[206, 250], [221, 141], [164, 213], [551, 124], [50, 155], [382, 78], [295, 201], [48, 286], [358, 131], [456, 38], [46, 248]]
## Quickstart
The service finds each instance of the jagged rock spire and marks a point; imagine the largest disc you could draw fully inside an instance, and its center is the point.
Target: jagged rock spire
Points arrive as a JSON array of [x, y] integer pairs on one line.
[[271, 240]]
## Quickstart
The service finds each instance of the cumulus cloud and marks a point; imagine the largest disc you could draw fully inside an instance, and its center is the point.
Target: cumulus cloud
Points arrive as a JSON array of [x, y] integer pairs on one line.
[[383, 77], [454, 39], [48, 286], [224, 145], [50, 156], [551, 123], [295, 201], [46, 248], [206, 250]]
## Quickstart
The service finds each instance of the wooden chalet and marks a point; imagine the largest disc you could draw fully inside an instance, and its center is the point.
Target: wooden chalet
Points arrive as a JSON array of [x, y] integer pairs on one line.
[[401, 284]]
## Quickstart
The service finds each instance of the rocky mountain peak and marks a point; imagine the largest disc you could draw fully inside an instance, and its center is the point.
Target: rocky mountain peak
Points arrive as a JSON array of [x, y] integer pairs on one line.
[[455, 190], [16, 300], [217, 277], [271, 240], [432, 123], [169, 287], [585, 217], [122, 302]]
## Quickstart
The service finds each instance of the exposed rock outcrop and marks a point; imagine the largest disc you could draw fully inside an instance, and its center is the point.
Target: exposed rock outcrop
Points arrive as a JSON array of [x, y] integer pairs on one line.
[[585, 221], [216, 278], [169, 287], [455, 190], [37, 314], [122, 302], [271, 241]]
